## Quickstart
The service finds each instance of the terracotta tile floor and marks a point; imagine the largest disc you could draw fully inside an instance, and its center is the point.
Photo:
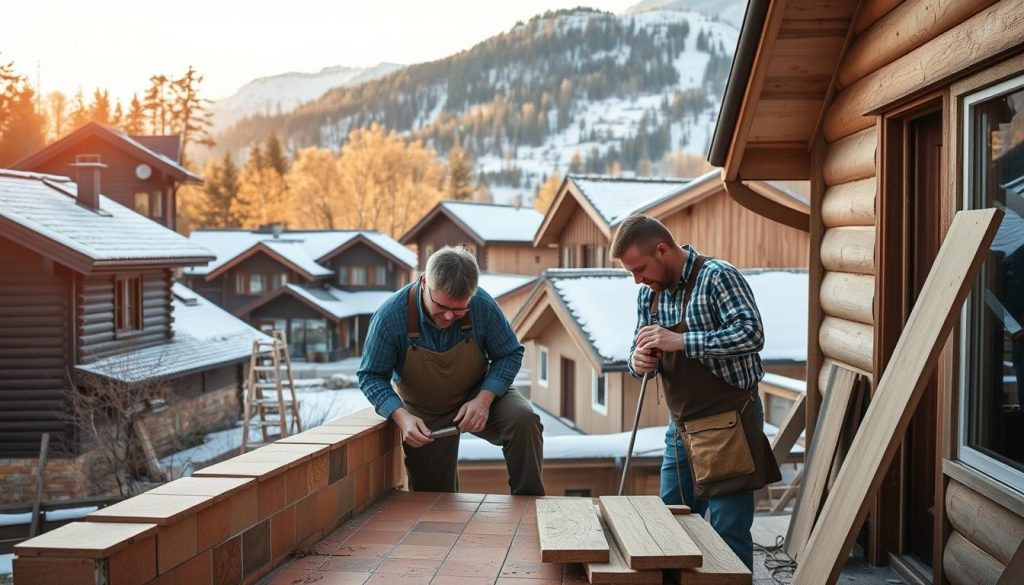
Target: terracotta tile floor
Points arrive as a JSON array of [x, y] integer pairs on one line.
[[436, 539]]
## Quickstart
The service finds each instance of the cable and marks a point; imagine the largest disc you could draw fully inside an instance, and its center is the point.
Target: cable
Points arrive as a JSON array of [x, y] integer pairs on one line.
[[777, 562]]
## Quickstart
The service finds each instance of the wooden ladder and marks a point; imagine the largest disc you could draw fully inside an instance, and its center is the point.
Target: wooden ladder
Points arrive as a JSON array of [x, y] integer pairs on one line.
[[270, 368]]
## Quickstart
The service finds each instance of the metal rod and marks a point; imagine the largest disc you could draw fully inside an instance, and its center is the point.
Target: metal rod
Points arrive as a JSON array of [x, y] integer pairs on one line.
[[445, 432], [632, 436]]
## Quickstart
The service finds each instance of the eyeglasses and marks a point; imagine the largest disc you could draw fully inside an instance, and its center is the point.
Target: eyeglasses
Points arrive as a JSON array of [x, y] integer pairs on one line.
[[453, 310]]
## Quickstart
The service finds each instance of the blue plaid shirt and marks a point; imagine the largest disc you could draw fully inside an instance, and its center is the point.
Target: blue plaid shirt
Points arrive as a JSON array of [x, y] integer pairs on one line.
[[724, 329], [388, 339]]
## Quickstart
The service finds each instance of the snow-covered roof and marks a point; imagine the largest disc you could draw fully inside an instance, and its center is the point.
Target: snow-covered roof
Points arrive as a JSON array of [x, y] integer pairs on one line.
[[46, 205], [603, 304], [204, 336], [340, 303], [496, 223], [615, 198], [498, 285], [303, 248], [1010, 235]]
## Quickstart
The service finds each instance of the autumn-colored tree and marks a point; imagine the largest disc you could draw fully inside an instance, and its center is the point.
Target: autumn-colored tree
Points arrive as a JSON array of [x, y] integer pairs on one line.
[[79, 115], [315, 181], [99, 110], [546, 193], [273, 155], [387, 183], [56, 114], [682, 165], [263, 195], [211, 206], [190, 114], [21, 124], [158, 105]]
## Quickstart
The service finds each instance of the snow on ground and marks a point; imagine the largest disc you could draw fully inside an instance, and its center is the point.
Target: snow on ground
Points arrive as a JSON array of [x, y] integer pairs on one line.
[[5, 563]]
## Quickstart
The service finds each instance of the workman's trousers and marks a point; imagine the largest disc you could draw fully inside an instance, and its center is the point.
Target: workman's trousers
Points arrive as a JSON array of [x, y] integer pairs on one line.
[[732, 515], [511, 424]]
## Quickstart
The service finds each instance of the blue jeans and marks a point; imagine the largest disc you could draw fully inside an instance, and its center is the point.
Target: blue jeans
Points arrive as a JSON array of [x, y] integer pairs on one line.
[[732, 515]]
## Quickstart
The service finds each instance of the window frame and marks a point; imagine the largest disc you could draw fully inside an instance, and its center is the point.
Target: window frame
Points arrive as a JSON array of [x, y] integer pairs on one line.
[[543, 354], [965, 453], [120, 328], [353, 271], [595, 376]]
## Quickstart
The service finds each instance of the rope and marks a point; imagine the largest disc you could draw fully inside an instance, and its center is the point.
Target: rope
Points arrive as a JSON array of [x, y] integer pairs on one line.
[[776, 562]]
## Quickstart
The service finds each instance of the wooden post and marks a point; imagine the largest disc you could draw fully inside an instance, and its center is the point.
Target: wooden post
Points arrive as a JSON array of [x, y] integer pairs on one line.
[[44, 447]]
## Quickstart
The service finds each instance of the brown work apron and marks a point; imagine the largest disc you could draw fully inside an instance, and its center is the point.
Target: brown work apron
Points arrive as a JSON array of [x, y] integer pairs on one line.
[[434, 384], [694, 392]]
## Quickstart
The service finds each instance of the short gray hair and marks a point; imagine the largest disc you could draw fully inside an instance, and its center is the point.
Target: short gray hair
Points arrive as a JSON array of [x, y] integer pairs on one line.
[[453, 271]]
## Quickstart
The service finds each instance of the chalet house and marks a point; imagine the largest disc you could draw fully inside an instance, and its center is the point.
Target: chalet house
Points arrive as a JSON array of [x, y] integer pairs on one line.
[[587, 210], [900, 114], [501, 236], [320, 287], [88, 296], [509, 290], [579, 324], [142, 172]]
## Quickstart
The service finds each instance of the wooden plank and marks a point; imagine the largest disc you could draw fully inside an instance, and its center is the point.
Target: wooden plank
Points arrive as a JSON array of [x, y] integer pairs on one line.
[[616, 571], [773, 163], [679, 509], [766, 207], [44, 449], [794, 487], [819, 459], [647, 534], [898, 392], [991, 527], [791, 428], [570, 531], [721, 565]]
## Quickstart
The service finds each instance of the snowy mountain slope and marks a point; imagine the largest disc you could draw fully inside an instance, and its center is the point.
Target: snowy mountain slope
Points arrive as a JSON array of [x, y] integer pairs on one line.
[[283, 93]]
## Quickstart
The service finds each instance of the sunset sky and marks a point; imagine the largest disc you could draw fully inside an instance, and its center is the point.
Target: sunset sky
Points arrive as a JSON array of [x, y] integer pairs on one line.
[[118, 44]]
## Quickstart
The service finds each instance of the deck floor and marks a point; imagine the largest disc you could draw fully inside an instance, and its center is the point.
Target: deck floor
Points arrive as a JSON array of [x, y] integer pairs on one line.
[[468, 539]]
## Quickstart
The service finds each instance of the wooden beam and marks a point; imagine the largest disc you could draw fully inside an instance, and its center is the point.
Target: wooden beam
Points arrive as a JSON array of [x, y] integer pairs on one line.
[[752, 96], [984, 36], [850, 204], [908, 26], [570, 531], [849, 249], [851, 158], [819, 459], [815, 273], [897, 393], [871, 11], [849, 296], [616, 571], [773, 163], [767, 208], [847, 341], [789, 432], [647, 534], [721, 565]]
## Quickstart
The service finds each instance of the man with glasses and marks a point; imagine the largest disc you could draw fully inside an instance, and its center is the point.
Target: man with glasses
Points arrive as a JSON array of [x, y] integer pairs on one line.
[[452, 355]]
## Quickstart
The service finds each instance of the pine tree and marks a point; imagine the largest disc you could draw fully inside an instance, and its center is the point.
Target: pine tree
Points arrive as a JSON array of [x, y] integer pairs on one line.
[[213, 205], [118, 115], [8, 81], [134, 122], [79, 111], [459, 182], [56, 114], [190, 113], [157, 104], [99, 111], [23, 125], [273, 155]]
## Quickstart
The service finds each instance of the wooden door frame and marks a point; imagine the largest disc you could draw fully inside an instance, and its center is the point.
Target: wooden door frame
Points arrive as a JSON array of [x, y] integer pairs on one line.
[[888, 531]]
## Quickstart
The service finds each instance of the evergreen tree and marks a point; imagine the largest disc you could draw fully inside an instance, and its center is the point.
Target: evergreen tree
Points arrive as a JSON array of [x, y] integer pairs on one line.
[[80, 113], [273, 155], [157, 104], [190, 113], [214, 207], [459, 180], [56, 114], [118, 115], [23, 124], [99, 111], [134, 122]]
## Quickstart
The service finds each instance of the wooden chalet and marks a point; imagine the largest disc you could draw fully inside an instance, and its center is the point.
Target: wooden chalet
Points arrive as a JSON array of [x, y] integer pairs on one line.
[[142, 172], [501, 236], [901, 113], [88, 295], [587, 210], [321, 287], [578, 324]]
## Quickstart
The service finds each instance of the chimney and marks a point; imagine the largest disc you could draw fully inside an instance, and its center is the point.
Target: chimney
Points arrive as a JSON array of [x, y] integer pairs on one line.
[[87, 175]]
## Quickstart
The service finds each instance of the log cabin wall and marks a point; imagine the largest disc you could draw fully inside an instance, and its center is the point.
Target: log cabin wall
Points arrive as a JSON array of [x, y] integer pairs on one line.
[[95, 328], [519, 259], [442, 232], [720, 227], [34, 348], [900, 50], [580, 230]]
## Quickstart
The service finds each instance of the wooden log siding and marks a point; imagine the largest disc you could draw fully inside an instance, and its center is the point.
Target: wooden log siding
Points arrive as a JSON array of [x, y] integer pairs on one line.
[[848, 204], [847, 341], [34, 341], [966, 564], [850, 296], [849, 249], [97, 338], [826, 366], [989, 526], [908, 26], [872, 10], [984, 36], [851, 158]]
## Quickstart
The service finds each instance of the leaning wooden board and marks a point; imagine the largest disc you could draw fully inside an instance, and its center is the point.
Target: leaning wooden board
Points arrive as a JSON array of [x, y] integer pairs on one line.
[[899, 390], [721, 565], [648, 534], [616, 571], [570, 531]]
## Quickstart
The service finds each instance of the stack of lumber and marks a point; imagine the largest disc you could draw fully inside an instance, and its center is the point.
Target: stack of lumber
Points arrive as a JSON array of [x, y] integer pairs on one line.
[[635, 540]]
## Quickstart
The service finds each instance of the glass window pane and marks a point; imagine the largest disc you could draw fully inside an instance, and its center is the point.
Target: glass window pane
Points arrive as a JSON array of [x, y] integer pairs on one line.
[[358, 275], [140, 201], [316, 335], [255, 283], [158, 204], [342, 275], [994, 352], [382, 276]]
